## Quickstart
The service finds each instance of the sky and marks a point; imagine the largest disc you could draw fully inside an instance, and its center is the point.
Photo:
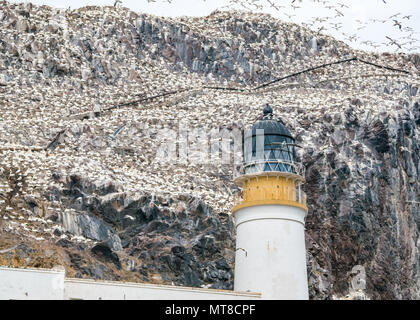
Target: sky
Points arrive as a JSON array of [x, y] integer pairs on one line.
[[360, 17]]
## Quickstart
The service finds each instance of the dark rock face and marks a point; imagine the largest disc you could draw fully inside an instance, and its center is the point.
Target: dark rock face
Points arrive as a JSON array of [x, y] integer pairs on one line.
[[226, 58], [104, 252], [377, 136], [185, 246], [85, 268], [361, 210]]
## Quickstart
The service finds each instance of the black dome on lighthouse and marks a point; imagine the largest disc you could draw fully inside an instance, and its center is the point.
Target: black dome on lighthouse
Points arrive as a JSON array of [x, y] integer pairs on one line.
[[278, 153], [270, 125]]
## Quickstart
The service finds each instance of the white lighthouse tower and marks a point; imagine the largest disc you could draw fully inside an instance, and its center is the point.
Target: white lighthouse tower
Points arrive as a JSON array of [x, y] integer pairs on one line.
[[270, 215]]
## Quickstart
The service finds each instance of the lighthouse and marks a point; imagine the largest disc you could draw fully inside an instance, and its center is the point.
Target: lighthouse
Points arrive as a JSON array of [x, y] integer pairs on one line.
[[270, 213]]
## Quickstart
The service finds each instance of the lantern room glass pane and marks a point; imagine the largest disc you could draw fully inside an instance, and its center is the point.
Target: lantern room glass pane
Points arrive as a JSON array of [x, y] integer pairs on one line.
[[276, 147]]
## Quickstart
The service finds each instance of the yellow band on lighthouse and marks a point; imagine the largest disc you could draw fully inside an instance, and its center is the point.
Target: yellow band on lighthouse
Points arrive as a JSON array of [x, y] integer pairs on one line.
[[262, 190]]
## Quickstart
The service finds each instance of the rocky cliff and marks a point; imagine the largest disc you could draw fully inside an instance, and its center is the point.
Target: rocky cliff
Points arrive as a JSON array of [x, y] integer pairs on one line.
[[86, 94]]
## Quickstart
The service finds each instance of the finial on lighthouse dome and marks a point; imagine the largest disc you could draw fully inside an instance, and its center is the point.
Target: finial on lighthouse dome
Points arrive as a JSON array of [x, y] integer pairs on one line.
[[267, 112]]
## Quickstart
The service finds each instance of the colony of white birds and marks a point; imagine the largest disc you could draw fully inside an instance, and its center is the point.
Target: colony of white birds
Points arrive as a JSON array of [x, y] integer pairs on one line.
[[331, 17], [50, 89]]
